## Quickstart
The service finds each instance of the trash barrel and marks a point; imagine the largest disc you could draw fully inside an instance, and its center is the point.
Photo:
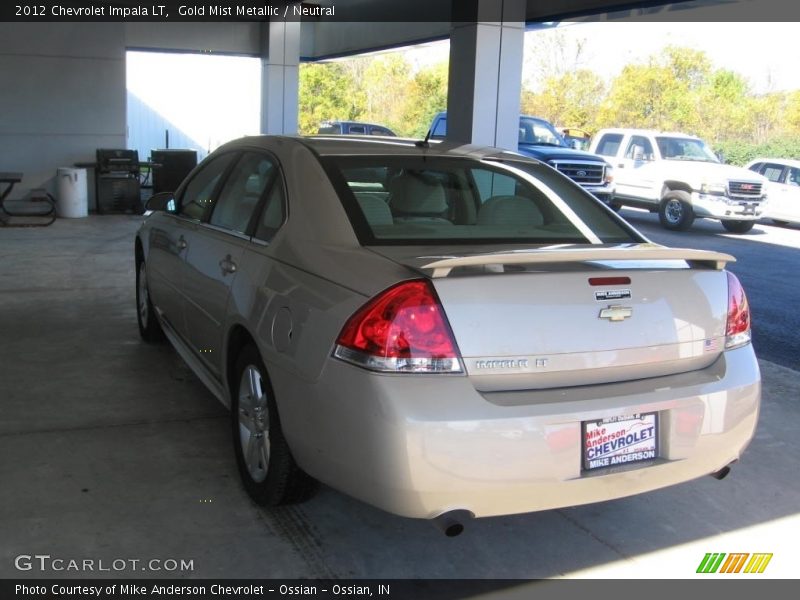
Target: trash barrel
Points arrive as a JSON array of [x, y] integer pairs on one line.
[[72, 200]]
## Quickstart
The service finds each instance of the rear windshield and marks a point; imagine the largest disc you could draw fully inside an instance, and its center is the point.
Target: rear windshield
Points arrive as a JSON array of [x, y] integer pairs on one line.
[[433, 200]]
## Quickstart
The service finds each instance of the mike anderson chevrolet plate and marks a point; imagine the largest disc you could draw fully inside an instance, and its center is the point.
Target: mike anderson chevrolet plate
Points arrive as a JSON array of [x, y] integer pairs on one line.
[[619, 441]]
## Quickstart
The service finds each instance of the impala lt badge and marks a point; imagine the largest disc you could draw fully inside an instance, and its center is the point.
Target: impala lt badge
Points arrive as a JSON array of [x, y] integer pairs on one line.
[[616, 313]]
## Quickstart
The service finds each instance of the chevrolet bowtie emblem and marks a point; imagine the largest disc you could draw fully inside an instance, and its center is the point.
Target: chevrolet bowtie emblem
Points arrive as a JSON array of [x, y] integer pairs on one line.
[[616, 313]]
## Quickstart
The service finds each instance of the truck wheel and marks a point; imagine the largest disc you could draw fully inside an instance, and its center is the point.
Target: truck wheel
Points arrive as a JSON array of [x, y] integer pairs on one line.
[[738, 226], [675, 211]]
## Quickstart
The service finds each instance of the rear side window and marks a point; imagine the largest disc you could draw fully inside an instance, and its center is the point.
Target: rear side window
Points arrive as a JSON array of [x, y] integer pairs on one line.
[[609, 144], [242, 192], [274, 212], [639, 147], [356, 129], [199, 193], [793, 177], [773, 172], [410, 200], [439, 128], [380, 131]]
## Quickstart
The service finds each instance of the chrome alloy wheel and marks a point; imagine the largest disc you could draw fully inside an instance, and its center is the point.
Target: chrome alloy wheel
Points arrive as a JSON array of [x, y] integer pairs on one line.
[[143, 296], [254, 423], [673, 211]]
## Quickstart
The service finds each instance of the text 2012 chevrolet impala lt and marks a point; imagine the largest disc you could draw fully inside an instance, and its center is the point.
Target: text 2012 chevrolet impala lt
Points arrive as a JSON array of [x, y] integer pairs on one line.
[[443, 332]]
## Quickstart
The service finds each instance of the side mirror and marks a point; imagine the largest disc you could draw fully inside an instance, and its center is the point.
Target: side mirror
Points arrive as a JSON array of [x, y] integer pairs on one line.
[[163, 201]]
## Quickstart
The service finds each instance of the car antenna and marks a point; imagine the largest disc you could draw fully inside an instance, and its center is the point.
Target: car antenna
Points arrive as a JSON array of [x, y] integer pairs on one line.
[[424, 143]]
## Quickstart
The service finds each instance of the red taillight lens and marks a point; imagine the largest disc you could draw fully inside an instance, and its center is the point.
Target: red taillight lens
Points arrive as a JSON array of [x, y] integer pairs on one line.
[[737, 332], [403, 329]]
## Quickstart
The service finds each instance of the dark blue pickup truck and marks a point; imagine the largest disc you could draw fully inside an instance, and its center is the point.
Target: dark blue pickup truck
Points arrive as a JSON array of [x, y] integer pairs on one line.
[[540, 140]]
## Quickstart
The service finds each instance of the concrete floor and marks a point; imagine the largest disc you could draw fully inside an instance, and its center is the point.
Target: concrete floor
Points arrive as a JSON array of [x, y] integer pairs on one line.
[[112, 449]]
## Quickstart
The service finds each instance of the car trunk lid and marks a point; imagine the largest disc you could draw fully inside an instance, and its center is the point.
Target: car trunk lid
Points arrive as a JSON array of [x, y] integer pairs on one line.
[[561, 317]]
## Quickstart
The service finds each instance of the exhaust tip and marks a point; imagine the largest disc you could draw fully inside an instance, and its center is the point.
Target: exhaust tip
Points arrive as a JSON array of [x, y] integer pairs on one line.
[[452, 522], [722, 473]]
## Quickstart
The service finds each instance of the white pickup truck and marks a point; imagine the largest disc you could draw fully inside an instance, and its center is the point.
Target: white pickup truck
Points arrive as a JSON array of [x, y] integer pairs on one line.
[[678, 176]]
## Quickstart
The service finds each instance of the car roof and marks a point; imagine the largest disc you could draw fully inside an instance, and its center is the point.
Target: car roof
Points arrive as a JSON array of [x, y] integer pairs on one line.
[[626, 130], [370, 145], [324, 123], [786, 162]]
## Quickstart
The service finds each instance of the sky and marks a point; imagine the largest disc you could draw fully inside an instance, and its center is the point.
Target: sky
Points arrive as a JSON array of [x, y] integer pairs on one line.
[[766, 54]]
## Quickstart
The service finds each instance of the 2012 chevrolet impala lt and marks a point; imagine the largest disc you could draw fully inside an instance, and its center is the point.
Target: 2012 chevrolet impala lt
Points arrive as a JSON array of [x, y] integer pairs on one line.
[[443, 331]]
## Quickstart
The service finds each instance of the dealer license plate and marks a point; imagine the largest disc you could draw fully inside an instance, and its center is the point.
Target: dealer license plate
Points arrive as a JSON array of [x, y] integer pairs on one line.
[[620, 440]]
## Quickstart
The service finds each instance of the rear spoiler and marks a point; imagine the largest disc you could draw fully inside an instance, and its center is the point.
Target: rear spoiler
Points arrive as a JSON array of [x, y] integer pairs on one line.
[[704, 259]]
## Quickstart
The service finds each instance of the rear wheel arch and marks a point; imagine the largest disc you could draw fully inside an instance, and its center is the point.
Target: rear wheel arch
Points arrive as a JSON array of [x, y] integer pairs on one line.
[[267, 467], [138, 250], [238, 339]]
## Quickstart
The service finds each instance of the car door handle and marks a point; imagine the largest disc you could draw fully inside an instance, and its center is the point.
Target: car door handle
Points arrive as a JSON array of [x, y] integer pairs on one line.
[[227, 265], [181, 244]]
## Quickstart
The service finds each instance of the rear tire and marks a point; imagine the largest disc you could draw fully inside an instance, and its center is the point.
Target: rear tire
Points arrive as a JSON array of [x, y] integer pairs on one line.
[[149, 327], [738, 226], [675, 211], [268, 471]]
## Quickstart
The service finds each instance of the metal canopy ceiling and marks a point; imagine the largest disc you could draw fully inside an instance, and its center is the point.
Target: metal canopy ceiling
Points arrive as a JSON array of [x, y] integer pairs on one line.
[[393, 23]]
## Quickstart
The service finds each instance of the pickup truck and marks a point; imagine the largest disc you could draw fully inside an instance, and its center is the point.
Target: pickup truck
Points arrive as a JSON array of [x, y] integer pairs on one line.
[[678, 176], [540, 140]]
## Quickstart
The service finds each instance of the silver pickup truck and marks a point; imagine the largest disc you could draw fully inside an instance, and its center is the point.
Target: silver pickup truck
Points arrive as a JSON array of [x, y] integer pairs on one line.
[[678, 176]]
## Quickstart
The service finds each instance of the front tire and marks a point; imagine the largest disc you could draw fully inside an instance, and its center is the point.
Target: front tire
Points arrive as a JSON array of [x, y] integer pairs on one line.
[[268, 471], [149, 327], [738, 226], [675, 211]]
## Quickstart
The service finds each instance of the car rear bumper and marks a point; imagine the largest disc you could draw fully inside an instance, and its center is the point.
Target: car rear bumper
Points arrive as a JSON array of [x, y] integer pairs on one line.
[[419, 446], [721, 207]]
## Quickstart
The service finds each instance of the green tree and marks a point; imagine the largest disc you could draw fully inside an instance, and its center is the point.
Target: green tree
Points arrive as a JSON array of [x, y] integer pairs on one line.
[[425, 96], [327, 92], [384, 86], [723, 107], [570, 100], [792, 122], [661, 93]]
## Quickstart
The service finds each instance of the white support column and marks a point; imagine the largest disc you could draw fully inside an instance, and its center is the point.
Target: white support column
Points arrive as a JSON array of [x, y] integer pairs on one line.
[[280, 71], [485, 81]]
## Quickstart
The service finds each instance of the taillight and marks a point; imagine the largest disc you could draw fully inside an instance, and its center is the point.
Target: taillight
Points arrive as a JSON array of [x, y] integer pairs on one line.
[[402, 330], [737, 332]]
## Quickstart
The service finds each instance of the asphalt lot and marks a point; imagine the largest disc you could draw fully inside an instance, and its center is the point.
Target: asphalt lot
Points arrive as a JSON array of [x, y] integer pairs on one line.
[[111, 449]]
